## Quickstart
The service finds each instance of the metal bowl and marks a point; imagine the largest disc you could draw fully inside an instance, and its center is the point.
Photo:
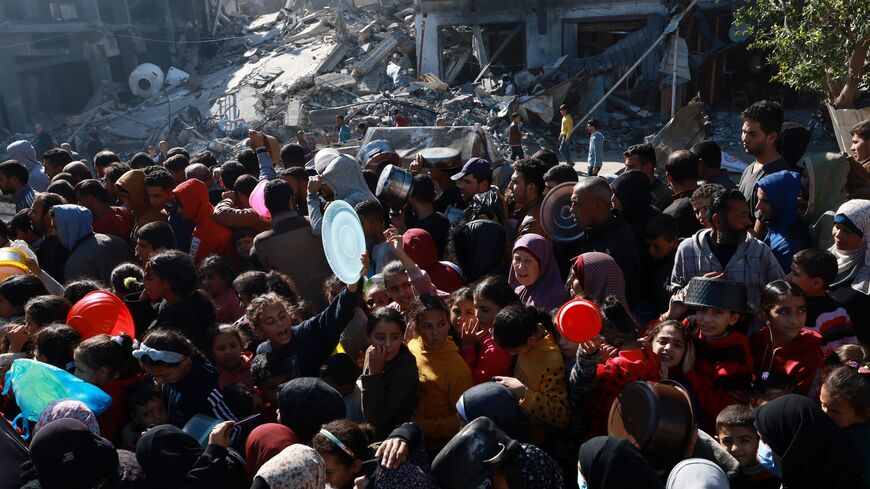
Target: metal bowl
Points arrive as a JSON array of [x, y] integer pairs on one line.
[[441, 158], [394, 185]]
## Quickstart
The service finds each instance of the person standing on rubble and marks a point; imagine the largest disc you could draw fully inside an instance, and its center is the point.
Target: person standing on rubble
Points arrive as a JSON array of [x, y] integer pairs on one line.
[[596, 148], [401, 120], [565, 134], [344, 132], [43, 141], [515, 138]]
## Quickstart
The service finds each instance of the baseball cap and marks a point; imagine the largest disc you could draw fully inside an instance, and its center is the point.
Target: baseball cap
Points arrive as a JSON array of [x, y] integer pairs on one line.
[[479, 168]]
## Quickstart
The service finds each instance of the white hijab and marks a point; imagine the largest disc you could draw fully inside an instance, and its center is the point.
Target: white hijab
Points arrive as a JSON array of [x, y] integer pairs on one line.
[[858, 212]]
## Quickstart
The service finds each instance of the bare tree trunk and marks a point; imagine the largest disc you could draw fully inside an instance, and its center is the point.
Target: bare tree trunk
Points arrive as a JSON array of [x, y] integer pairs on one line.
[[846, 98]]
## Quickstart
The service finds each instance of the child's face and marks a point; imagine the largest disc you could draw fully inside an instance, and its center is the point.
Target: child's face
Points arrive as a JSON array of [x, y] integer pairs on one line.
[[213, 283], [700, 205], [376, 297], [387, 335], [152, 413], [660, 247], [244, 245], [840, 410], [800, 278], [167, 374], [741, 442], [568, 347], [788, 316], [95, 376], [275, 325], [269, 388], [433, 327], [337, 473], [714, 322], [155, 287], [227, 351], [463, 310], [373, 228], [670, 346], [486, 310]]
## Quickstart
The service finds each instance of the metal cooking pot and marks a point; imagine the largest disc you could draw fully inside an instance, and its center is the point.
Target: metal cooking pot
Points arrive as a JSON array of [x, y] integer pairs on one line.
[[394, 185], [657, 417], [377, 153], [441, 158]]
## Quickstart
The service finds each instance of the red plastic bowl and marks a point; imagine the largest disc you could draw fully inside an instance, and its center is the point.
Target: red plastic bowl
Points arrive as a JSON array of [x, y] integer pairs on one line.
[[101, 312], [579, 320]]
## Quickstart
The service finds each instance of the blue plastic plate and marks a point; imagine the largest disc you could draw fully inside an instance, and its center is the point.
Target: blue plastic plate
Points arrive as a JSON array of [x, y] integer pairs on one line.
[[343, 241]]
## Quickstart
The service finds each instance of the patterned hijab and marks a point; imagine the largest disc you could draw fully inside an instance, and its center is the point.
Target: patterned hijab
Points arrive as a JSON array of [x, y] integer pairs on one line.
[[266, 441], [67, 408], [600, 276], [296, 467], [857, 213]]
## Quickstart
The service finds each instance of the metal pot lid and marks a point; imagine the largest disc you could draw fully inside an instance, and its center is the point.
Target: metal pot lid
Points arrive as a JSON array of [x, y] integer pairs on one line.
[[556, 216], [441, 157]]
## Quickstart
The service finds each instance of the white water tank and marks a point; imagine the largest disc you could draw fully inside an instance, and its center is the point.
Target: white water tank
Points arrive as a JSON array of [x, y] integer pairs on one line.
[[146, 80]]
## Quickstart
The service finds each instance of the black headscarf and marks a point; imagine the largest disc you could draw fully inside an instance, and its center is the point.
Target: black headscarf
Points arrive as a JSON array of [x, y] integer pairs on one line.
[[632, 190], [67, 454], [496, 402], [166, 455], [306, 404], [792, 143], [815, 452], [609, 462], [479, 248]]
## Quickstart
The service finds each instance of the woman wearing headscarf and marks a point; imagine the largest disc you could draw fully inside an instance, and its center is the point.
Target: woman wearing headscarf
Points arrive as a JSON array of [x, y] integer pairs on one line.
[[631, 195], [481, 451], [813, 451], [851, 287], [697, 473], [67, 408], [296, 467], [172, 459], [478, 245], [596, 276], [264, 442], [534, 273], [68, 455], [420, 247], [494, 401], [608, 462]]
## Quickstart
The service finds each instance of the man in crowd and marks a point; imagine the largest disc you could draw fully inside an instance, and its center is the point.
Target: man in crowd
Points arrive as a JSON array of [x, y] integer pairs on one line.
[[642, 157], [710, 164], [682, 172], [596, 148], [13, 181], [527, 189], [761, 124], [860, 148], [43, 141]]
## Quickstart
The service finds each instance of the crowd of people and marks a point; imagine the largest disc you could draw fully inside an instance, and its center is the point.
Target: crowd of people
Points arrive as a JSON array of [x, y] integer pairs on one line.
[[445, 365]]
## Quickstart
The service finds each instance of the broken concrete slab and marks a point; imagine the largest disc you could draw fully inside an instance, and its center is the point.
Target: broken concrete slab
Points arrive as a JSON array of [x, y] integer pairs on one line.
[[384, 49], [372, 82], [335, 80], [309, 31], [334, 57]]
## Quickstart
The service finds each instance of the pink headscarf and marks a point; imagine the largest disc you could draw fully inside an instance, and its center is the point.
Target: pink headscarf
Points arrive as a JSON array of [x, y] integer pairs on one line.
[[548, 292], [601, 277], [67, 408]]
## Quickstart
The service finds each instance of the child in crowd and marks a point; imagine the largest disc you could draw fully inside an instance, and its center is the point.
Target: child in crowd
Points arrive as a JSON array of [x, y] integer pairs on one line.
[[15, 291], [190, 384], [701, 198], [594, 384], [371, 214], [268, 372], [784, 345], [735, 430], [215, 274], [44, 310], [483, 355], [845, 397], [461, 311], [389, 382], [444, 376], [106, 362], [539, 376], [662, 239], [813, 270], [340, 372], [722, 352], [127, 279], [304, 346], [145, 408], [376, 293], [55, 344], [226, 351]]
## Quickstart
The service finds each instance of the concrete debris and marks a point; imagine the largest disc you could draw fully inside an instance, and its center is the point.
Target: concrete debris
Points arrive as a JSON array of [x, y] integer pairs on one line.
[[384, 49]]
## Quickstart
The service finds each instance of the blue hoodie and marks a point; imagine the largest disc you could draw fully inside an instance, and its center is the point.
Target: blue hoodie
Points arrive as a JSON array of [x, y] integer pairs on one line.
[[73, 223], [782, 190], [22, 152]]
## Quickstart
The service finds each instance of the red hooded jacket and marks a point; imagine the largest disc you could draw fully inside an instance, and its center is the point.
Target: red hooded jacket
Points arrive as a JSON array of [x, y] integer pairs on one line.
[[209, 237], [420, 247], [801, 359]]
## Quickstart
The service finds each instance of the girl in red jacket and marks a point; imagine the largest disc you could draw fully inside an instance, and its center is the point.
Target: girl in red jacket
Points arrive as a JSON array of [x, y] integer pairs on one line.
[[784, 345], [486, 359]]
